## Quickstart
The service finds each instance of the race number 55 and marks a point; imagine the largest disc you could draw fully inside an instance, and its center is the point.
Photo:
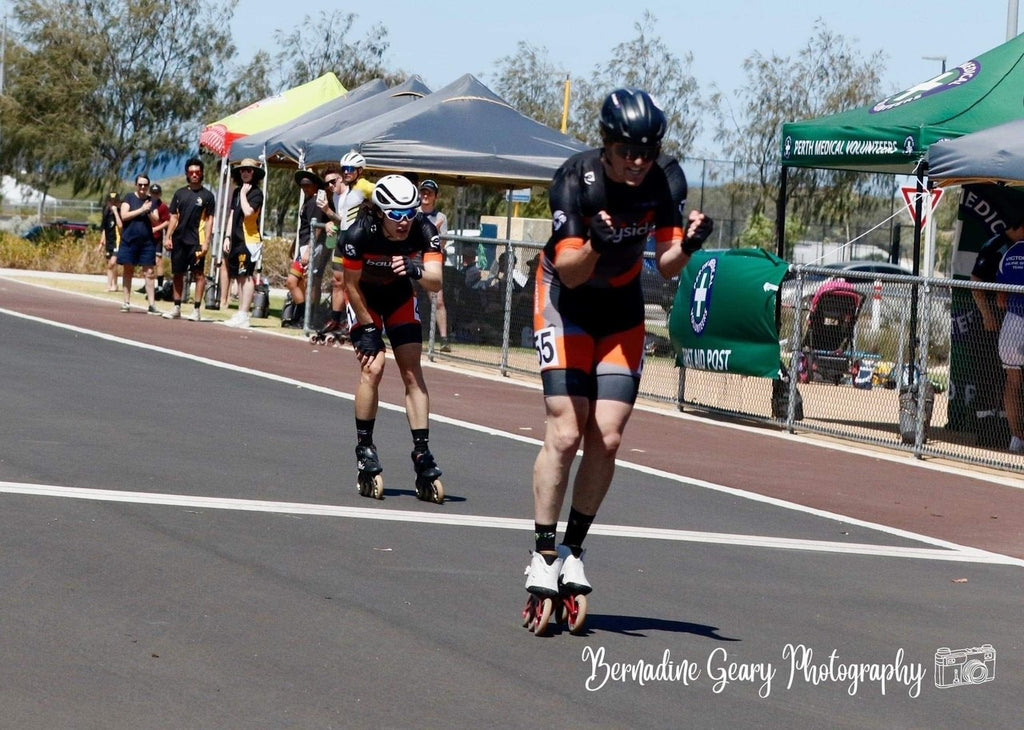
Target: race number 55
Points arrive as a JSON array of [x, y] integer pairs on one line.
[[544, 342]]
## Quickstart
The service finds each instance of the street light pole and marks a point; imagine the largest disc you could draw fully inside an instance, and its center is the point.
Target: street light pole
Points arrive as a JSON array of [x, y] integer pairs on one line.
[[936, 58]]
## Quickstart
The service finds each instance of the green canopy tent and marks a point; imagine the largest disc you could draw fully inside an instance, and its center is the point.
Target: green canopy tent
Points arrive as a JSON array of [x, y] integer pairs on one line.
[[893, 134]]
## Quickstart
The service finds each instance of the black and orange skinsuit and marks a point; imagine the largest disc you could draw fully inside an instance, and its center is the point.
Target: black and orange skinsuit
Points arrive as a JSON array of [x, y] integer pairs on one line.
[[590, 338], [389, 297]]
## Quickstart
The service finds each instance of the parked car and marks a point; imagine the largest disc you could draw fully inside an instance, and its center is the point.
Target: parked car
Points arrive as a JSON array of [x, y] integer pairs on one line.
[[857, 273], [56, 229]]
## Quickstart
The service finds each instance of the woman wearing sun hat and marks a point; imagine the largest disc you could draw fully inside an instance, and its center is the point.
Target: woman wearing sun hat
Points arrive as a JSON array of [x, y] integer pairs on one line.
[[243, 244]]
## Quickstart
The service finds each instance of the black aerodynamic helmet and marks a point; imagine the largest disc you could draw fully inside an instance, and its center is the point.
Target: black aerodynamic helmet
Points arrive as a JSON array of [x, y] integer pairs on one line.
[[631, 115]]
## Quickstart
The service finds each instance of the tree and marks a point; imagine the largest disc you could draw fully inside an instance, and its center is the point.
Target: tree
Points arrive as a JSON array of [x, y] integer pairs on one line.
[[103, 89], [827, 76], [645, 62], [530, 82], [315, 47]]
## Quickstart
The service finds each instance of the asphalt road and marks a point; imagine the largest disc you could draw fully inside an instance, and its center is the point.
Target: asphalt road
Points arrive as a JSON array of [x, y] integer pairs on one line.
[[182, 545]]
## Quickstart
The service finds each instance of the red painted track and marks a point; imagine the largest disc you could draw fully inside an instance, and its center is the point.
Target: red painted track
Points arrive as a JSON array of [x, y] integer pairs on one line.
[[946, 504]]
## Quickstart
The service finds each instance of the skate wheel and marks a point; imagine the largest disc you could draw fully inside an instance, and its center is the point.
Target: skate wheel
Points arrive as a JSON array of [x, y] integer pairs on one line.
[[541, 624], [371, 486], [576, 610], [537, 614], [437, 492]]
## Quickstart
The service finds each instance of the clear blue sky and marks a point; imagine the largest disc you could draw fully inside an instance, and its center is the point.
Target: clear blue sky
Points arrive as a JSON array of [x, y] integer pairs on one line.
[[444, 39]]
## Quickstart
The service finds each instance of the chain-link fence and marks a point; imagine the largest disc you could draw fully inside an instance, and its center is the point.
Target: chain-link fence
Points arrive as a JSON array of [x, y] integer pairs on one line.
[[881, 359]]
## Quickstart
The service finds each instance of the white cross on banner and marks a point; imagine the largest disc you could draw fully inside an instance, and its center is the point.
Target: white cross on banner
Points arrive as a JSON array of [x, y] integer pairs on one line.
[[910, 198]]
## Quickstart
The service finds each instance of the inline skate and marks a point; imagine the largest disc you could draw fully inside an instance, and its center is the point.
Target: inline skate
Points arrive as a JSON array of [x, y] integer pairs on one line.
[[333, 332], [557, 591], [369, 480], [428, 484]]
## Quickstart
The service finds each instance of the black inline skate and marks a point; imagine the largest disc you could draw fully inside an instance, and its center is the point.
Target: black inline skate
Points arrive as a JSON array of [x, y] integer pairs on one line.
[[428, 485], [369, 480], [333, 332]]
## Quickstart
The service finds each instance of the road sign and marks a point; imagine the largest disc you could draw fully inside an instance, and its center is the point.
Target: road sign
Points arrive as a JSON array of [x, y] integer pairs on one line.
[[910, 198]]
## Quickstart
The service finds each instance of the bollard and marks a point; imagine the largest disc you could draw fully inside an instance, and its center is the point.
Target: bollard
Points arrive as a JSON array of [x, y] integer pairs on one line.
[[876, 307]]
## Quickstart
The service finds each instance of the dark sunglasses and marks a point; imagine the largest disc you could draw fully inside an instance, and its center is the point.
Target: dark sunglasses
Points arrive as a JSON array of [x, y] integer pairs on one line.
[[644, 152], [142, 185], [332, 180], [348, 170], [401, 215]]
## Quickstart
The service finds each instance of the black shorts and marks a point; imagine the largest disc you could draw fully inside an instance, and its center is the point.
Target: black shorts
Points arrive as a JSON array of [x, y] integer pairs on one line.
[[185, 258], [240, 261], [395, 308]]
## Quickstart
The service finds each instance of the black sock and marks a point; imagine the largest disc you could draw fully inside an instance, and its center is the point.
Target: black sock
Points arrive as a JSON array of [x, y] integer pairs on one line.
[[576, 530], [544, 537], [364, 431], [420, 438]]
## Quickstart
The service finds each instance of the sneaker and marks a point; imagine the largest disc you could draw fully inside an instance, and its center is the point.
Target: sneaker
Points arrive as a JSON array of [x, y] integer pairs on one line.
[[152, 310], [126, 307], [445, 347], [541, 578], [240, 320], [572, 576], [195, 316], [173, 314], [1016, 445]]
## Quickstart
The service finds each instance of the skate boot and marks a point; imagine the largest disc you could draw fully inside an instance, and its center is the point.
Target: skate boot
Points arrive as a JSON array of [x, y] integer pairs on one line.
[[369, 480], [573, 587], [428, 485], [333, 332], [542, 584]]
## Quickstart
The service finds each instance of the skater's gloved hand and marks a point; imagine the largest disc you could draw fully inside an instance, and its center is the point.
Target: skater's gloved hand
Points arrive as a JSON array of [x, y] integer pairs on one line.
[[367, 340], [699, 227], [602, 232], [405, 266]]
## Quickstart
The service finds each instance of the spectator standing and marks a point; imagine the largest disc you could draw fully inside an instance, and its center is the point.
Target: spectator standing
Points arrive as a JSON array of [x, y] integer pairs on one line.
[[350, 191], [189, 236], [385, 251], [138, 215], [159, 229], [428, 206], [990, 395], [110, 237], [1011, 342], [243, 244]]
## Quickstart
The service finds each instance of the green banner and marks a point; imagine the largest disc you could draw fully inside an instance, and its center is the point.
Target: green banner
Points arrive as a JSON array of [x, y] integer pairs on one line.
[[723, 318]]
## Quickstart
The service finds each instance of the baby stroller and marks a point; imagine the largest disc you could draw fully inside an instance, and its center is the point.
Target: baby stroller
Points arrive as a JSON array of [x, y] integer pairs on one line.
[[829, 336]]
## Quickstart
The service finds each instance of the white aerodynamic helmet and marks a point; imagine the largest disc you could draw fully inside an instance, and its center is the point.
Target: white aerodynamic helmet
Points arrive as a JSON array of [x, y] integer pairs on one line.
[[353, 159], [395, 192]]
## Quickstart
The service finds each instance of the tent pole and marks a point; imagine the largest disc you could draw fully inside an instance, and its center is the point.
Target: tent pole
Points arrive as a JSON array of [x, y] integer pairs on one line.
[[266, 183], [780, 214], [913, 340]]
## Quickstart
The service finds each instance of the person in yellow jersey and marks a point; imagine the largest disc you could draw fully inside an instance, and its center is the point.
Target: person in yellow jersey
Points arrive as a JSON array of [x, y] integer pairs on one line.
[[243, 244]]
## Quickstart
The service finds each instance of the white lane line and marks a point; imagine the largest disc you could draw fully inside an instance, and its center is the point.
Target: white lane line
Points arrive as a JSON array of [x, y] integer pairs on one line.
[[959, 554], [711, 486]]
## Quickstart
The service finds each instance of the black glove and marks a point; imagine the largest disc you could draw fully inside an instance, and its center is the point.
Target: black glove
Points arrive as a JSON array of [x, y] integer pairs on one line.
[[367, 340], [413, 268], [692, 244], [602, 234]]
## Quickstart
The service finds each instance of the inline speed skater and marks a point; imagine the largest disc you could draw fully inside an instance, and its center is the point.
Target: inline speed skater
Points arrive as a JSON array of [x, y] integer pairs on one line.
[[589, 331], [386, 249]]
